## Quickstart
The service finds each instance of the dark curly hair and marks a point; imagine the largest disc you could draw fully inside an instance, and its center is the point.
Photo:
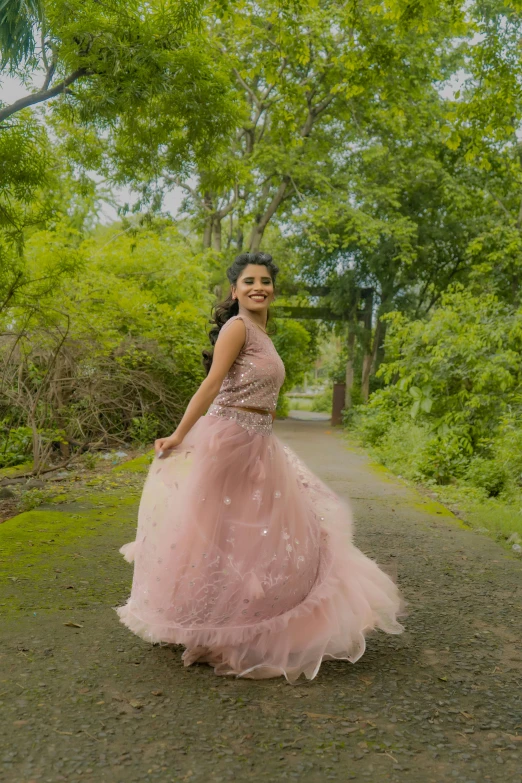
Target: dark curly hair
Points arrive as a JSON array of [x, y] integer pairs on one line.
[[229, 307]]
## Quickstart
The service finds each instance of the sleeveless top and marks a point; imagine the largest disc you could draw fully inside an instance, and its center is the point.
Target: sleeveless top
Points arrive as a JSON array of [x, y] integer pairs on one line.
[[253, 381]]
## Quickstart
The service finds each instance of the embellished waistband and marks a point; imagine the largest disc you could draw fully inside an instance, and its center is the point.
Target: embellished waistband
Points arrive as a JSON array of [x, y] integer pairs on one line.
[[253, 422]]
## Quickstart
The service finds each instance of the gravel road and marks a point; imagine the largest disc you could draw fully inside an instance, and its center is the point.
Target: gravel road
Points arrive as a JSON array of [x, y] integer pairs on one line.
[[82, 699]]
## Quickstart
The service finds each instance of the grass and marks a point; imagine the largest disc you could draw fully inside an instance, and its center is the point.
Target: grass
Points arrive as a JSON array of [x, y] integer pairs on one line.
[[500, 517], [494, 515]]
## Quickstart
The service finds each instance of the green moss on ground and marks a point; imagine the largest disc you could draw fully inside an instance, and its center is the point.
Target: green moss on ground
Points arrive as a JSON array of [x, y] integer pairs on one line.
[[137, 465], [62, 556], [16, 470]]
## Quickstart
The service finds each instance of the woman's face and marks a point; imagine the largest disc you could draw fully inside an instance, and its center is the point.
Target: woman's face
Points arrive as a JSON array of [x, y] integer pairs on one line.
[[254, 289]]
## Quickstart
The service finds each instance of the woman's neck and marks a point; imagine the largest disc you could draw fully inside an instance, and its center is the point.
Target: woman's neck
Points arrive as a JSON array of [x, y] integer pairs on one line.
[[259, 319]]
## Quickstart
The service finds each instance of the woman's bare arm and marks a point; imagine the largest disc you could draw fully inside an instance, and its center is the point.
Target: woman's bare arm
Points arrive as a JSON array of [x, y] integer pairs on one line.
[[226, 350]]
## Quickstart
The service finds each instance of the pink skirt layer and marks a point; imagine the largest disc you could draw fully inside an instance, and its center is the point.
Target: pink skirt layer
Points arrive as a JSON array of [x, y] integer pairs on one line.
[[246, 558]]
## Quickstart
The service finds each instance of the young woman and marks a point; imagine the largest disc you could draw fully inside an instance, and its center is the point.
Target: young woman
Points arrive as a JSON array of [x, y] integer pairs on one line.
[[242, 554]]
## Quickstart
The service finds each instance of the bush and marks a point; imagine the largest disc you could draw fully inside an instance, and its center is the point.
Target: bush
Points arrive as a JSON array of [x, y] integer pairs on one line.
[[374, 420], [486, 474], [442, 460], [322, 403], [144, 429], [461, 366], [15, 445], [507, 447]]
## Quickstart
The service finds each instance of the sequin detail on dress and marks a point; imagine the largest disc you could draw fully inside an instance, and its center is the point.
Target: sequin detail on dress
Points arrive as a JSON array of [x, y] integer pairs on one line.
[[252, 422], [257, 374]]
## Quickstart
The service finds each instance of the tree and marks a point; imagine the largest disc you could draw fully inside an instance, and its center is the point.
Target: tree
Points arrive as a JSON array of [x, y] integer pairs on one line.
[[304, 77], [115, 64]]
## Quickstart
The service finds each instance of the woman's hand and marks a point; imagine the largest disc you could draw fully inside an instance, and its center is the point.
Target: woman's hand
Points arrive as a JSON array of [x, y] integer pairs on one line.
[[166, 444]]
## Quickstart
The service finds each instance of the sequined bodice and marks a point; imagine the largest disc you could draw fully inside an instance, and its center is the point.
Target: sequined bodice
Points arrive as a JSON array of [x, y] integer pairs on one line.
[[253, 381], [257, 374]]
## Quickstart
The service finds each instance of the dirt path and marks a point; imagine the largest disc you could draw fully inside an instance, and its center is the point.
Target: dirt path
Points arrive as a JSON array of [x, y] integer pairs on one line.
[[93, 703]]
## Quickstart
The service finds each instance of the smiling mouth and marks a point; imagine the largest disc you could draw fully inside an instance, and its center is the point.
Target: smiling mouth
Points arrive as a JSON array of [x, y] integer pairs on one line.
[[258, 297]]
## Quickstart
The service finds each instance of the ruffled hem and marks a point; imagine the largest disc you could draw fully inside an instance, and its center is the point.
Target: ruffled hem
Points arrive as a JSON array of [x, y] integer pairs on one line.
[[331, 623]]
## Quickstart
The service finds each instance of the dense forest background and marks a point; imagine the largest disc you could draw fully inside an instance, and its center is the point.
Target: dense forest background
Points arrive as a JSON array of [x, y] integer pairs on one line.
[[373, 148]]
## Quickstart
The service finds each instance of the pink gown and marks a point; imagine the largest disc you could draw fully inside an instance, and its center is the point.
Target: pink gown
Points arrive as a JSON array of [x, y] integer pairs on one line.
[[242, 555]]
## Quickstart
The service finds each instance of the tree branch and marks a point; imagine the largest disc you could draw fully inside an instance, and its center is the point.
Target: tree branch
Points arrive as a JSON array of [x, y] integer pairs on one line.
[[50, 69], [258, 230], [245, 86], [314, 113], [223, 212], [41, 95]]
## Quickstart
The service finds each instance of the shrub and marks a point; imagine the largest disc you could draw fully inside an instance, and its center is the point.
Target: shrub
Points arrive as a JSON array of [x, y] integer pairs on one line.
[[15, 445], [322, 403], [144, 429], [486, 474], [442, 460]]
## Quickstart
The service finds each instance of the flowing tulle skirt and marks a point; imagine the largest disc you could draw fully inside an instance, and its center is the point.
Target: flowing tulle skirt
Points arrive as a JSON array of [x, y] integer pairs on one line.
[[246, 558]]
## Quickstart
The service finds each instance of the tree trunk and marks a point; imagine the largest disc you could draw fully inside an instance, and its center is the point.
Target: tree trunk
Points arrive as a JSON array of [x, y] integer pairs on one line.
[[349, 370], [370, 360], [365, 383], [216, 233], [256, 239], [380, 333], [367, 342], [207, 235]]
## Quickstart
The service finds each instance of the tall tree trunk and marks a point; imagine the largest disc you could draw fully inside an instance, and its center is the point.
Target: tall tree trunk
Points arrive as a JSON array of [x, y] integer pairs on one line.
[[365, 382], [380, 333], [207, 235], [367, 343], [370, 359], [216, 233], [349, 369]]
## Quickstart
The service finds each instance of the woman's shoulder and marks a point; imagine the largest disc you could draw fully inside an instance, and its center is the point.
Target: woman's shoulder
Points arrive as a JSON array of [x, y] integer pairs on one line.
[[235, 318]]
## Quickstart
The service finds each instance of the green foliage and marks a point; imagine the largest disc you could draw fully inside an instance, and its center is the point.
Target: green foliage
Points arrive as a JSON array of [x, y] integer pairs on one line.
[[292, 342], [15, 445], [486, 474], [323, 402], [17, 20], [144, 430], [461, 366], [112, 352], [451, 411]]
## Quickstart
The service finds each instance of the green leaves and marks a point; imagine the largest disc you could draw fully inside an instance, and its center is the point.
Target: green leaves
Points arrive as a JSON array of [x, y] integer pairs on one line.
[[422, 400], [461, 366], [17, 21]]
